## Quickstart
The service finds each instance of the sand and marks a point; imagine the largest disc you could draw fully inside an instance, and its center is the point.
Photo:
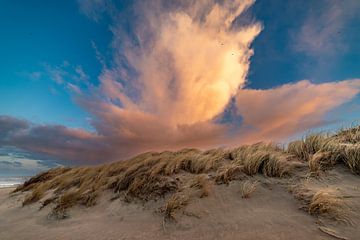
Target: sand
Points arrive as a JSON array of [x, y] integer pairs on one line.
[[271, 212], [294, 199]]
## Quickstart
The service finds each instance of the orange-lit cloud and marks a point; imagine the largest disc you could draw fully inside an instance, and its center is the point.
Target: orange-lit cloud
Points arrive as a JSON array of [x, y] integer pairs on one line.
[[189, 64], [291, 108]]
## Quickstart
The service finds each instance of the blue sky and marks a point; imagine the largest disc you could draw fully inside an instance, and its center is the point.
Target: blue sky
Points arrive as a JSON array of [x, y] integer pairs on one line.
[[43, 33], [66, 70]]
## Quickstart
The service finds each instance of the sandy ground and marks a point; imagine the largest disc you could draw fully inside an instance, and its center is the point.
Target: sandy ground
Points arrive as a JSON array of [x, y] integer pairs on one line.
[[270, 213]]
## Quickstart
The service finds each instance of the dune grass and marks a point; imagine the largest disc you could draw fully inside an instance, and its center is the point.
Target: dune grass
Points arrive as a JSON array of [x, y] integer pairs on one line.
[[203, 184], [325, 202], [330, 204], [322, 152], [154, 175], [247, 188], [174, 204], [349, 135]]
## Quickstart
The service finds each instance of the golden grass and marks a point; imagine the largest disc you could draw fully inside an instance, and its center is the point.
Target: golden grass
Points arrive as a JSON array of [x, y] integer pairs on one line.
[[319, 162], [325, 202], [152, 175], [349, 135], [352, 157], [267, 159], [324, 151], [34, 196], [328, 203], [298, 149], [176, 202], [202, 183], [303, 149], [155, 175], [247, 188], [228, 173]]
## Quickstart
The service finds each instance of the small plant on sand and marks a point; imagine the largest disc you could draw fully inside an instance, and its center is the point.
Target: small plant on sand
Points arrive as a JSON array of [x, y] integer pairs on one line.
[[268, 159], [34, 196], [63, 203], [175, 203], [352, 158], [328, 203], [304, 149], [319, 162], [247, 188], [228, 172], [202, 183], [349, 135]]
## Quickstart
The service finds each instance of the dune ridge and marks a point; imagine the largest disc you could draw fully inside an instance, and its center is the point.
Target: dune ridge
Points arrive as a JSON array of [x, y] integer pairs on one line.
[[178, 180]]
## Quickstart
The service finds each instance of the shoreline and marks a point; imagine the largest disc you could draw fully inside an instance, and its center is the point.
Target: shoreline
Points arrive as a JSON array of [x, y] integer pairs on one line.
[[7, 187]]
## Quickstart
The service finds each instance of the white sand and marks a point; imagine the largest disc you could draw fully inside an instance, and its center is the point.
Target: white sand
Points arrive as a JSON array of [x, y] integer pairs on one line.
[[270, 213]]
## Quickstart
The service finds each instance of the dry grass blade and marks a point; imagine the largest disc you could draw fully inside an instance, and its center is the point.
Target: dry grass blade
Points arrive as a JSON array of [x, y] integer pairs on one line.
[[350, 135], [320, 161], [352, 158], [332, 233], [228, 173], [298, 149], [267, 159], [176, 202], [203, 183], [247, 188], [328, 203]]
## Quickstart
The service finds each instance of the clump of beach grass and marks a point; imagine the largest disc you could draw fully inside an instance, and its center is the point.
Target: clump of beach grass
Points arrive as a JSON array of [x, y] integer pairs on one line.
[[175, 203], [319, 162], [202, 183], [349, 135], [325, 202], [328, 203], [352, 157], [311, 144], [228, 173], [247, 188], [322, 152]]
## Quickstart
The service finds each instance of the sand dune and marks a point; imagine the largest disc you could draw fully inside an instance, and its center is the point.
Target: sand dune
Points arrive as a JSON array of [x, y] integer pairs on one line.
[[310, 190]]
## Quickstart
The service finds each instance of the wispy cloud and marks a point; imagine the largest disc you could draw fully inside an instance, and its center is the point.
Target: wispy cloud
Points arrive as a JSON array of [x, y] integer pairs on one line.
[[322, 32], [93, 8]]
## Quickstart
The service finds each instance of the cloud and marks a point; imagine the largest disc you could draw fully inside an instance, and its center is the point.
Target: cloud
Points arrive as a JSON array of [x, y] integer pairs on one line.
[[93, 8], [188, 62], [322, 32], [9, 126], [270, 114], [172, 76], [16, 162], [291, 108], [72, 78], [56, 141]]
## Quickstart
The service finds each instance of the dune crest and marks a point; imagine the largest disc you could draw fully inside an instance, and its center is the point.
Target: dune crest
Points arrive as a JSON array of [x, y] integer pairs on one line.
[[219, 190]]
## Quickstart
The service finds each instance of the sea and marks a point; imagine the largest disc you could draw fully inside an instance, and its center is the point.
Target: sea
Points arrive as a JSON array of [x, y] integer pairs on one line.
[[11, 181]]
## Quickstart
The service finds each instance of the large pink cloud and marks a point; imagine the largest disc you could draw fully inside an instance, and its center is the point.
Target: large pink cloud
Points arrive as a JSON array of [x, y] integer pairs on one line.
[[269, 115], [291, 108]]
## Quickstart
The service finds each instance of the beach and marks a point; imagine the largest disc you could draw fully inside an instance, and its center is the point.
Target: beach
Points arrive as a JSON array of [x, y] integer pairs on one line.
[[11, 181]]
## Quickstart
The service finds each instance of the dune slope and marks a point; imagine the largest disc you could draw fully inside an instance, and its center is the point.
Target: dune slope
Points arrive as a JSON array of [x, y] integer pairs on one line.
[[309, 189]]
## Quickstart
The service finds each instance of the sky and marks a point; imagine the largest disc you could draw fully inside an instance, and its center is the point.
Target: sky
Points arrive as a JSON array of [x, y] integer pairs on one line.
[[93, 81]]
